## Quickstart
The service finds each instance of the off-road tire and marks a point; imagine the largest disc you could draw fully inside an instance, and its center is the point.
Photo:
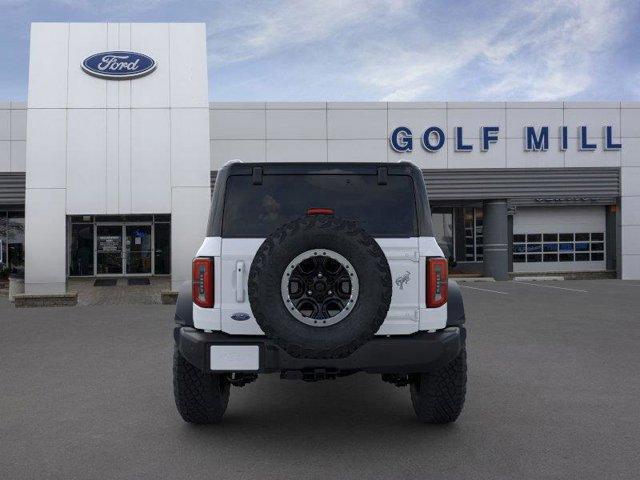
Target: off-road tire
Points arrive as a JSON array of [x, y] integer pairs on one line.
[[438, 397], [201, 398], [320, 232]]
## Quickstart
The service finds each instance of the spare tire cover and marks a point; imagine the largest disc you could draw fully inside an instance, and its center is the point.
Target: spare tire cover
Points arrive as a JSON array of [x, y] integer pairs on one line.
[[320, 287]]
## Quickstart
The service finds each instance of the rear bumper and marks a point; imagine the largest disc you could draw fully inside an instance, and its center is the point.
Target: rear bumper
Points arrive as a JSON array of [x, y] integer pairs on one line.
[[420, 352]]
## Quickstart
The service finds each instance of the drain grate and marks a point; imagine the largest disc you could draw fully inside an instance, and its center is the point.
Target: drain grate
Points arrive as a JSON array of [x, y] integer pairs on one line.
[[105, 282], [138, 281]]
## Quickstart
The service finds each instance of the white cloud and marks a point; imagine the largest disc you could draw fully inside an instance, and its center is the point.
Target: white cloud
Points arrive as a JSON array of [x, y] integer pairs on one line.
[[260, 29], [546, 51]]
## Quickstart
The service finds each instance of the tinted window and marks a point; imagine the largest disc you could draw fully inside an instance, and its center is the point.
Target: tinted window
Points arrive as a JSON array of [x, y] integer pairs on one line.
[[257, 210]]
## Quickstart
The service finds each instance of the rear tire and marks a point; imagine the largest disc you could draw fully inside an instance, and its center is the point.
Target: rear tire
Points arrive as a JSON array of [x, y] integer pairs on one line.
[[201, 398], [438, 397]]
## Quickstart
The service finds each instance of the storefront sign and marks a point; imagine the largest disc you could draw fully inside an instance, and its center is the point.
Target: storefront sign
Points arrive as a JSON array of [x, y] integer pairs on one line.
[[109, 243], [535, 139], [118, 65]]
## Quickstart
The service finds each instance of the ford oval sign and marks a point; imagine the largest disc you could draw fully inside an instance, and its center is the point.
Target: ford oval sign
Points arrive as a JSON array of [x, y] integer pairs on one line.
[[118, 65], [240, 316]]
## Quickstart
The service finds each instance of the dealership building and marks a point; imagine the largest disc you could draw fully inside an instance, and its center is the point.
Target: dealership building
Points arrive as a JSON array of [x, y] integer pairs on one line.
[[107, 168]]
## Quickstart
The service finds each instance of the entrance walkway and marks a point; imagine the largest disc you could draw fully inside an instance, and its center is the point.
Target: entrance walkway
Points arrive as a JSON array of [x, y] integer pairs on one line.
[[121, 293]]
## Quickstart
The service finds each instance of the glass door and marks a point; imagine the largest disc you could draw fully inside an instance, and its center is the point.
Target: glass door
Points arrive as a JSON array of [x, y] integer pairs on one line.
[[109, 250], [139, 249]]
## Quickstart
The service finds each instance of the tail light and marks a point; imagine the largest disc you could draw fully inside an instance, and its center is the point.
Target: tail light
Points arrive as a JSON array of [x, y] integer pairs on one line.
[[202, 282], [320, 211], [437, 282]]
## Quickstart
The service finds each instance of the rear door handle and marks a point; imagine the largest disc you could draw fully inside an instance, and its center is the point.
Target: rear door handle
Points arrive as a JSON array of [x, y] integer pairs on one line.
[[240, 281]]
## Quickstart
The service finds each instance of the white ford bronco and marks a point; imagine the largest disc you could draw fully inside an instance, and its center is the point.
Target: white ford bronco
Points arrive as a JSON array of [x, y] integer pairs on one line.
[[317, 271]]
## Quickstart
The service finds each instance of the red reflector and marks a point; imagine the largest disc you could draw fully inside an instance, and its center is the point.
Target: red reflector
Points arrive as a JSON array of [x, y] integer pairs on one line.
[[202, 282], [437, 282], [320, 211]]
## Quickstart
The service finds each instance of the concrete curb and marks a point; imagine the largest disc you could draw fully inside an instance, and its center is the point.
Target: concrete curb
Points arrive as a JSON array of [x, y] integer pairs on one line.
[[168, 297], [538, 278], [474, 279], [69, 299]]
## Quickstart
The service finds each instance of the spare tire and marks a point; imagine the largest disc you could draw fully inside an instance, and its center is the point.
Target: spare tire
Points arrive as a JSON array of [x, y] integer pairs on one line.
[[320, 287]]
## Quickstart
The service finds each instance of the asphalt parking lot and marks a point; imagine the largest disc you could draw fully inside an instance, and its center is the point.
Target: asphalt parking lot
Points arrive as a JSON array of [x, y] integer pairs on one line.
[[554, 392]]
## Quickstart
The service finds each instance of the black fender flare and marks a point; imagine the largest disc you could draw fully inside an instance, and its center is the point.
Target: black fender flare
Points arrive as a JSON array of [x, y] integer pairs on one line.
[[184, 306], [455, 306]]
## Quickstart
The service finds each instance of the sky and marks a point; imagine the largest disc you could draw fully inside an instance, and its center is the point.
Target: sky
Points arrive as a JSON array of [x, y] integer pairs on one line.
[[377, 50]]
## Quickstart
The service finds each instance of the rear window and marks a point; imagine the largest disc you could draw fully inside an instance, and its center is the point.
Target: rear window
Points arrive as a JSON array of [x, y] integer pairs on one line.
[[255, 211]]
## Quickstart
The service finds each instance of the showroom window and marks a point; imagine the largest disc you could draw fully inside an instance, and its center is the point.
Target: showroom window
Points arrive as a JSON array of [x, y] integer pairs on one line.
[[443, 230], [473, 239], [558, 247], [11, 242], [115, 245]]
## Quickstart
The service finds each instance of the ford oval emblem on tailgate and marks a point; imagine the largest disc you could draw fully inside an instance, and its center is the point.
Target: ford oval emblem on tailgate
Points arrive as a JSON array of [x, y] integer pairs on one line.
[[240, 316]]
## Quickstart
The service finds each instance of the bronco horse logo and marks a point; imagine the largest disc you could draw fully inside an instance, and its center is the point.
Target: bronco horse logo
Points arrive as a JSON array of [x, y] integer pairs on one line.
[[403, 279]]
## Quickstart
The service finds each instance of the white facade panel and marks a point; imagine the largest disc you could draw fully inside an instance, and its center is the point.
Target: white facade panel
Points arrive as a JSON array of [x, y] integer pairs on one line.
[[630, 122], [630, 211], [296, 124], [597, 158], [152, 91], [5, 156], [124, 161], [418, 120], [124, 86], [356, 124], [594, 119], [47, 148], [518, 118], [420, 157], [630, 153], [246, 150], [5, 124], [357, 150], [45, 241], [18, 124], [630, 268], [85, 91], [630, 181], [113, 43], [188, 54], [471, 119], [517, 157], [111, 161], [150, 160], [495, 157], [189, 144], [48, 62], [190, 212], [631, 239], [238, 124], [18, 156], [86, 161], [296, 150]]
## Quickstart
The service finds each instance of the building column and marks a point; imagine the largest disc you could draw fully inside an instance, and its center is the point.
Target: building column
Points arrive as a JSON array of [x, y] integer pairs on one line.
[[495, 240], [45, 241]]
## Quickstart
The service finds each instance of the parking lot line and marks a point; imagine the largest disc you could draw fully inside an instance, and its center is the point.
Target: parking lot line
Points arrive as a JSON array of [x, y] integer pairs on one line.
[[484, 289], [552, 286]]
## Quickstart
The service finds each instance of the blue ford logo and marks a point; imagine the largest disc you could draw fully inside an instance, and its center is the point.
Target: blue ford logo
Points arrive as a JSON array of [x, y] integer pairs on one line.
[[118, 65], [240, 316]]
